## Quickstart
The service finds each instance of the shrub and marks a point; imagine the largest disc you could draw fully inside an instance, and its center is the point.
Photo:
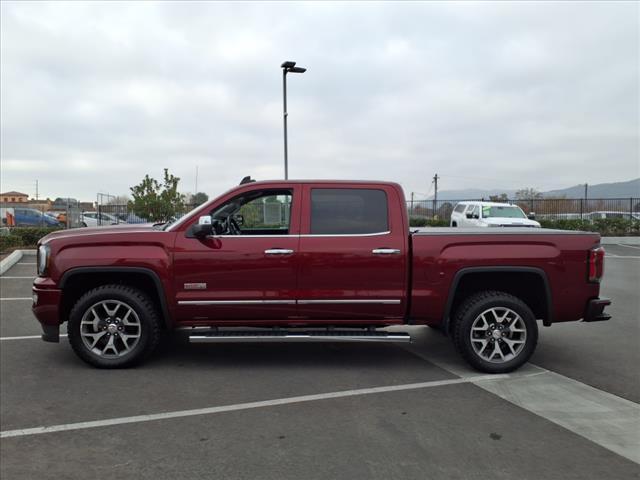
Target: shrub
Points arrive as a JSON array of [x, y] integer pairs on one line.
[[31, 235], [427, 222], [612, 227], [8, 242]]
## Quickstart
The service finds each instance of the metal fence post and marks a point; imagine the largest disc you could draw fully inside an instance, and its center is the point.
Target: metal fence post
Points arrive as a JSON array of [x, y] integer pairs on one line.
[[630, 208], [581, 208]]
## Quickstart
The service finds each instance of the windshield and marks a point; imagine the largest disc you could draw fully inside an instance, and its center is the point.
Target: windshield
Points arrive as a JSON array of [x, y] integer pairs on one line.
[[502, 212]]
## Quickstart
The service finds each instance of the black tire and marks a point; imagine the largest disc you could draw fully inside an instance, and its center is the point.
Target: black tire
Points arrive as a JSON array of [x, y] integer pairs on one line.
[[454, 224], [470, 311], [132, 298]]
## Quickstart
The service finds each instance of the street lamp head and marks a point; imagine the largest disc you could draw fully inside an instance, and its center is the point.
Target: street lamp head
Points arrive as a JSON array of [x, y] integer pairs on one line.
[[297, 70], [288, 65]]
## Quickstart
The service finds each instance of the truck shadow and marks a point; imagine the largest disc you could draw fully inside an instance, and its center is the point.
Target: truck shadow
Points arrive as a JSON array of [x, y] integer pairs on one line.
[[178, 350]]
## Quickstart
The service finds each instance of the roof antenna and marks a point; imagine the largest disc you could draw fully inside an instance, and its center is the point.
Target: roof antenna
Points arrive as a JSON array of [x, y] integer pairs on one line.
[[246, 179]]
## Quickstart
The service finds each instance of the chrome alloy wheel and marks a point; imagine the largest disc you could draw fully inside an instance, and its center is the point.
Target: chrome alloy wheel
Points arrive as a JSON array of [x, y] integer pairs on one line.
[[498, 335], [110, 328]]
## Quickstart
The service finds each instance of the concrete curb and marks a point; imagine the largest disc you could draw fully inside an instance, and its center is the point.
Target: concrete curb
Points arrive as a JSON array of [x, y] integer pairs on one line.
[[615, 240], [14, 258]]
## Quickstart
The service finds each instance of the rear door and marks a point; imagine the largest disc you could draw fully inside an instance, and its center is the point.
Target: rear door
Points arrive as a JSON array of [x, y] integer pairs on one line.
[[353, 254], [474, 211]]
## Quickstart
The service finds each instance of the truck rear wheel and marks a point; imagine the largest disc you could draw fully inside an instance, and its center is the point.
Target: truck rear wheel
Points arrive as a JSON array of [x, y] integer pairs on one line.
[[113, 326], [495, 332]]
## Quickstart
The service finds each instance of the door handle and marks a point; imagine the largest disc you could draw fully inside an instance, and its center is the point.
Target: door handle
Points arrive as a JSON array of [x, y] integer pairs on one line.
[[385, 251], [278, 251]]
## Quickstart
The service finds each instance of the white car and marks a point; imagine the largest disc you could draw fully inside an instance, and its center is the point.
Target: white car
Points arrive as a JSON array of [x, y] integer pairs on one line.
[[95, 219], [490, 214], [614, 214]]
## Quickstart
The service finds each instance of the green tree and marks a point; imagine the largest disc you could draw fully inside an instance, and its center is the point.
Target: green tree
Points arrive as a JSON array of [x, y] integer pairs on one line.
[[199, 198], [528, 194], [157, 202]]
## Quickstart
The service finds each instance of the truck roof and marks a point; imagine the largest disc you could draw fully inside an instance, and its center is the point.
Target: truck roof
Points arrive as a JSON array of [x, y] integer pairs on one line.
[[326, 181]]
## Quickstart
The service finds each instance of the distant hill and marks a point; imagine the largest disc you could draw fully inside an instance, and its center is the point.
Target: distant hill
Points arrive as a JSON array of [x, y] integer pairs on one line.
[[627, 189], [601, 190]]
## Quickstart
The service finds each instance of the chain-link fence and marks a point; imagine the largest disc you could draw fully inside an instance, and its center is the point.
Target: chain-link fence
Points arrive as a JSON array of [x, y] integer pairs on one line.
[[69, 213], [543, 208]]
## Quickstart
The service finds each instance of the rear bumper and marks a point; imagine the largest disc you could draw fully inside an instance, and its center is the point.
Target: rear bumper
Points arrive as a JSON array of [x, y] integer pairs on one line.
[[595, 310], [46, 308]]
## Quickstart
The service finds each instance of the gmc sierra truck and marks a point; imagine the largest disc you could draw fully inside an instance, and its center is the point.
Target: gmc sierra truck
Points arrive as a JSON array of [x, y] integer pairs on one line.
[[304, 261]]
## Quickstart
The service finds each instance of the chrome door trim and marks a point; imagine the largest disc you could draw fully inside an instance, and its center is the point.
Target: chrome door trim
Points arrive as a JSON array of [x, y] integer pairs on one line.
[[375, 234], [236, 302], [374, 301], [385, 251], [278, 251], [307, 235]]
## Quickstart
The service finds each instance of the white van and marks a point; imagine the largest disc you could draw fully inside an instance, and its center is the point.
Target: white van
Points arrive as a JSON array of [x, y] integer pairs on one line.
[[490, 214]]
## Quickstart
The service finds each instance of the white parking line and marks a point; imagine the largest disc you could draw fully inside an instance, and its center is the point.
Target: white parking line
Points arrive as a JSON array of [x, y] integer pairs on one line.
[[608, 255], [26, 263], [15, 298], [243, 406], [14, 278], [628, 246]]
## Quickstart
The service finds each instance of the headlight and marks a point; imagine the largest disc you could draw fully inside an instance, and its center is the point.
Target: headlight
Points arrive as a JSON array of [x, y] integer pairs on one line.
[[43, 260]]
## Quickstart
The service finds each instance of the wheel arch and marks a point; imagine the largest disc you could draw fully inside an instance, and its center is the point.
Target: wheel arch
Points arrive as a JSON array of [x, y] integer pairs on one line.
[[469, 280], [76, 281]]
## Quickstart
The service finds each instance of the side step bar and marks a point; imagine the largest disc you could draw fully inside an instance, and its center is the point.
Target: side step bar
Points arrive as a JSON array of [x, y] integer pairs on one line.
[[298, 336]]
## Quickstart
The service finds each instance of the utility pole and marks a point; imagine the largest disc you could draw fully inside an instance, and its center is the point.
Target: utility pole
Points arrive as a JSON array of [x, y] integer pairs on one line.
[[586, 189], [435, 196], [411, 203], [36, 189], [196, 190]]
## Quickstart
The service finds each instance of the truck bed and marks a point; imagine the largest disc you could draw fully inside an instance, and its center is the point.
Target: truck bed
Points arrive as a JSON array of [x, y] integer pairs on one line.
[[444, 257]]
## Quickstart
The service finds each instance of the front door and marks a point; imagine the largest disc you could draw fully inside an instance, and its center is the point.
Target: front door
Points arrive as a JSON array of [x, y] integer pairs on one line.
[[353, 254], [249, 271]]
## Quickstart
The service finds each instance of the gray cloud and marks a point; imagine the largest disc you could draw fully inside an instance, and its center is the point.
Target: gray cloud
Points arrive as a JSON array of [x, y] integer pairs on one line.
[[95, 95]]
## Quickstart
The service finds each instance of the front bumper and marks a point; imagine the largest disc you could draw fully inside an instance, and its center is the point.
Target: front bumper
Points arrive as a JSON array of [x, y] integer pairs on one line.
[[46, 308], [595, 310]]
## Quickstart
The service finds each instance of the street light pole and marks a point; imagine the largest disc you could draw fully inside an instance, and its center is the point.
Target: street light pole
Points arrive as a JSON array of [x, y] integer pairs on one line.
[[286, 68], [284, 119]]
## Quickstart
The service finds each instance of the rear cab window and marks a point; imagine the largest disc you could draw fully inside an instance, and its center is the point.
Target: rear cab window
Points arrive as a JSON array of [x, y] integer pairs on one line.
[[348, 211], [460, 207]]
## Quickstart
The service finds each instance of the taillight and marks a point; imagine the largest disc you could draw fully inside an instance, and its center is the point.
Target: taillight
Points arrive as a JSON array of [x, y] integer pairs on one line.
[[595, 265]]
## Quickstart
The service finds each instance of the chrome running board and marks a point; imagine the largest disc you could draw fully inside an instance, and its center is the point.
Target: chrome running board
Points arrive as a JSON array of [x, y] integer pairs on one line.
[[301, 336]]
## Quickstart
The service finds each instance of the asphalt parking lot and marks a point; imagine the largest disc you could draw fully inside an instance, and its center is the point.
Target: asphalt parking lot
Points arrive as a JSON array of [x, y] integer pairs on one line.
[[306, 411]]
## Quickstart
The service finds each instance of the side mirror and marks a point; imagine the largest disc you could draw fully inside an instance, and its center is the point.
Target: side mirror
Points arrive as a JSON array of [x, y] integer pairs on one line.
[[469, 215], [203, 228], [531, 216], [239, 219]]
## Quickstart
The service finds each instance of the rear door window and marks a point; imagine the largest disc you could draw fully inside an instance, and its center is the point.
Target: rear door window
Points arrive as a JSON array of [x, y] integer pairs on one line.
[[346, 211]]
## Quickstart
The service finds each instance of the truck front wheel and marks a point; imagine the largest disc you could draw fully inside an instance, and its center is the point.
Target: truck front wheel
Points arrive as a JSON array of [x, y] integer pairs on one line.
[[113, 326], [495, 332]]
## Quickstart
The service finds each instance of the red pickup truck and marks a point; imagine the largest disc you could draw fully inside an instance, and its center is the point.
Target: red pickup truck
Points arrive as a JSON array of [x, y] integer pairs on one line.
[[312, 261]]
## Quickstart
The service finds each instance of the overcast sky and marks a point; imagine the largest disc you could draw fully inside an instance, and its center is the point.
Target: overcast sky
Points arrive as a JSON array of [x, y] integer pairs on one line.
[[506, 95]]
